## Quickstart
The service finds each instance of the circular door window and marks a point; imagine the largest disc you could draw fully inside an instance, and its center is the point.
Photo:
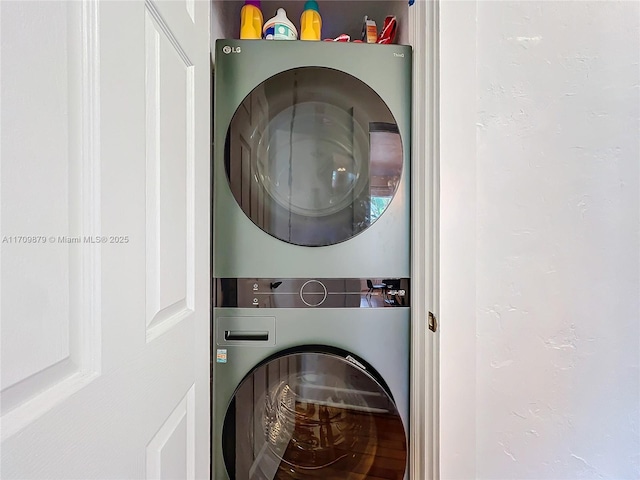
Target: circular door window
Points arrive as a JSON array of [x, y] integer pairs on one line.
[[313, 156], [313, 415]]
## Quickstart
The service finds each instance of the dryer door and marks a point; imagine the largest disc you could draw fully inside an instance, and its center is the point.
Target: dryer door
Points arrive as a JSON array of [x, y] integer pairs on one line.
[[313, 156], [313, 415]]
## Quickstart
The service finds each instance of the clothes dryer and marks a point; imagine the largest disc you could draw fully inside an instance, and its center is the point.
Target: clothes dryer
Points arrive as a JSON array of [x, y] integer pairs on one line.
[[311, 159]]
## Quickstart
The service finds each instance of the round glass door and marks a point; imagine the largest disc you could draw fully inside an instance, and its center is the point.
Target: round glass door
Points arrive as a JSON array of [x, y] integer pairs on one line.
[[313, 156], [313, 416]]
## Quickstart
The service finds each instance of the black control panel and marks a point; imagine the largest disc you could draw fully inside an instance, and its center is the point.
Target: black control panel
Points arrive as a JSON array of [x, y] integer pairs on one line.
[[311, 292]]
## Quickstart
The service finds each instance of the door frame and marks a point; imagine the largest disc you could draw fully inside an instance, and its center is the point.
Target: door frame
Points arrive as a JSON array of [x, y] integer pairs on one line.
[[424, 377]]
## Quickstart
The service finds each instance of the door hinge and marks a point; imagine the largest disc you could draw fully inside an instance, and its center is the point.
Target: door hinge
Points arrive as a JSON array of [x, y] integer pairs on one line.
[[433, 322]]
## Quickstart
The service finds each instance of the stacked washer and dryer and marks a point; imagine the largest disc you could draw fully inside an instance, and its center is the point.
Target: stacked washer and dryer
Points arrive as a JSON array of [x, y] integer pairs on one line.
[[310, 200]]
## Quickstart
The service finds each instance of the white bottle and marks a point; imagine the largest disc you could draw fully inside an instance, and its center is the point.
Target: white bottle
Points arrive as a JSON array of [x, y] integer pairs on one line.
[[279, 27]]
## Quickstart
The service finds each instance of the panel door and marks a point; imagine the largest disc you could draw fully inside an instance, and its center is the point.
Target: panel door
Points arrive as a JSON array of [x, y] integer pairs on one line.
[[105, 239]]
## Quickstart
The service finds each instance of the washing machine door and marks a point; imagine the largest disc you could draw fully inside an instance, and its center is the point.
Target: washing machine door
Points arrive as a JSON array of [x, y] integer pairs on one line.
[[313, 156], [313, 415]]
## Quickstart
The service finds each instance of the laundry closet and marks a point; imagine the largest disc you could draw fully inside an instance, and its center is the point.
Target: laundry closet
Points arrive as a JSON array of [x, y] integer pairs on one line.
[[316, 373]]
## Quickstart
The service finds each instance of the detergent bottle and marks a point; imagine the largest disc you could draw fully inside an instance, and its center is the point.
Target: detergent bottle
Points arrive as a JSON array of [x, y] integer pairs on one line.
[[310, 22], [280, 27], [251, 20]]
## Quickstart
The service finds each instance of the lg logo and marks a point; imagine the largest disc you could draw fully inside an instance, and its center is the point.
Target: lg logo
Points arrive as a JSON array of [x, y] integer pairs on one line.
[[227, 49]]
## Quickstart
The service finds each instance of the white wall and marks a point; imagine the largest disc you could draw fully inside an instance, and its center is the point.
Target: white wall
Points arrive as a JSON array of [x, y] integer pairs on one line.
[[540, 264]]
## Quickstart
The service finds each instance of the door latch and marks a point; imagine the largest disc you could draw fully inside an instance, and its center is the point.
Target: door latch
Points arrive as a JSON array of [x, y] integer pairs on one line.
[[433, 322]]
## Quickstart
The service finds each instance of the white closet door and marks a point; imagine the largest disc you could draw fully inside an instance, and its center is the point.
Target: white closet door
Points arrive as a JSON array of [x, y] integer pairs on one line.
[[104, 226]]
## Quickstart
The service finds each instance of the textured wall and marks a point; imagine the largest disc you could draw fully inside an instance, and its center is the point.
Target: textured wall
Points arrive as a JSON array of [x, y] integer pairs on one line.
[[552, 220]]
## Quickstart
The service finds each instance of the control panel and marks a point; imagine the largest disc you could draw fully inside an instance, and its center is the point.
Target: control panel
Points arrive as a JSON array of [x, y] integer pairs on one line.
[[311, 292]]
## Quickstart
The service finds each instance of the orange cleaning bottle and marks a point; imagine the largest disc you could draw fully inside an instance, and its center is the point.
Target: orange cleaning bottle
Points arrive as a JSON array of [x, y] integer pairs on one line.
[[251, 20], [310, 22]]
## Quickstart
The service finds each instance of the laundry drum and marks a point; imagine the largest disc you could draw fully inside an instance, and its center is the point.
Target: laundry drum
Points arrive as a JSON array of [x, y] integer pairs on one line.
[[313, 156], [309, 415]]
